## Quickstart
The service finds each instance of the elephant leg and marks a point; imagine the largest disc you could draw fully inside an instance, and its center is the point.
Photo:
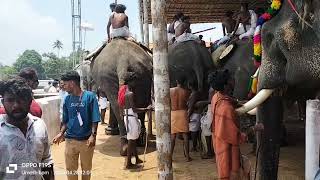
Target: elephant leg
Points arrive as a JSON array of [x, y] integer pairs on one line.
[[142, 140], [112, 129], [270, 114], [111, 90]]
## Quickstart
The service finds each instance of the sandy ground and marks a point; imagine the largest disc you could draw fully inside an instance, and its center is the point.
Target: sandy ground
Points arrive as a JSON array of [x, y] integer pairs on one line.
[[108, 164]]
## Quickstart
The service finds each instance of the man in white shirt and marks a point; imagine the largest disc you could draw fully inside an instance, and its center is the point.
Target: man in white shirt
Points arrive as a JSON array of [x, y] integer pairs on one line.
[[246, 22], [23, 137]]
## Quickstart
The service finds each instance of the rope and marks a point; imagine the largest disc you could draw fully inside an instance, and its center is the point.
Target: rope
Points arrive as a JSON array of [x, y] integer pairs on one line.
[[145, 147], [257, 157], [295, 10]]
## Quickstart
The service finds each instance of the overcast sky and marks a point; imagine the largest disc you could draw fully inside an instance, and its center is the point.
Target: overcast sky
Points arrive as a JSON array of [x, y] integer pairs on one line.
[[36, 24]]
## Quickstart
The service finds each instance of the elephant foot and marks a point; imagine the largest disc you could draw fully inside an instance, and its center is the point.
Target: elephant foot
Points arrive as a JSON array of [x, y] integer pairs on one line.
[[123, 147], [112, 131]]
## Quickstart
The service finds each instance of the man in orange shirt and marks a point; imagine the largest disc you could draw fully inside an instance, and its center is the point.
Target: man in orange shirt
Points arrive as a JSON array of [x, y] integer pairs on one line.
[[225, 126]]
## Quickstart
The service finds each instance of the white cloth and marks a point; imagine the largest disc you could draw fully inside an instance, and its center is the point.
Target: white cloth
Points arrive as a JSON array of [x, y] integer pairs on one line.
[[62, 95], [224, 39], [176, 24], [206, 122], [15, 148], [120, 32], [103, 103], [132, 123], [194, 124], [52, 89], [250, 28], [187, 37]]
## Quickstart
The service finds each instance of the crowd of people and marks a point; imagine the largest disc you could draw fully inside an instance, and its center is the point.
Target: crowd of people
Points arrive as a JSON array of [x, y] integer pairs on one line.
[[23, 132], [212, 124], [24, 136]]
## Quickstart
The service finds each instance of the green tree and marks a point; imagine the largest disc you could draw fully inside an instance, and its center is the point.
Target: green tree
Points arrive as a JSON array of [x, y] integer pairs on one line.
[[57, 45], [55, 67], [77, 56], [30, 58], [7, 71]]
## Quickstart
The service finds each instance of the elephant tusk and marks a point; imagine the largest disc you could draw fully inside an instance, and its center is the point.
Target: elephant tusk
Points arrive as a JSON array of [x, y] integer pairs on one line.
[[252, 112], [255, 101]]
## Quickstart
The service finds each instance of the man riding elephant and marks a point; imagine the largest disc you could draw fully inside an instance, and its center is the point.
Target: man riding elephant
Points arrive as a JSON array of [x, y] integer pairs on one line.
[[119, 23]]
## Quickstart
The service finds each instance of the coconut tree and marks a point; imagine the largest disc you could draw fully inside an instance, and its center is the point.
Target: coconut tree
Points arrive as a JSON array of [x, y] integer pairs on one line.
[[57, 45]]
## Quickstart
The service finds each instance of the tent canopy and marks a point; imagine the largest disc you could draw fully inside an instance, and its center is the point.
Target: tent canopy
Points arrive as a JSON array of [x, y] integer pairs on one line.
[[205, 11]]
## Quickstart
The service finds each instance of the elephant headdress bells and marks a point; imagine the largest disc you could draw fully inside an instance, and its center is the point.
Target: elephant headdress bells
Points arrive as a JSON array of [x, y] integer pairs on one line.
[[257, 47]]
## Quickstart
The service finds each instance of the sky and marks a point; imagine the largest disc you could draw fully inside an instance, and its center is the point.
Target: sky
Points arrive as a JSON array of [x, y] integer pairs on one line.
[[36, 24]]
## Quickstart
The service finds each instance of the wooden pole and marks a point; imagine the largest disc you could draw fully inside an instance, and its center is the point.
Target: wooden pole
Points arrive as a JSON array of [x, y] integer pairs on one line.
[[146, 22], [141, 20], [312, 138], [161, 89]]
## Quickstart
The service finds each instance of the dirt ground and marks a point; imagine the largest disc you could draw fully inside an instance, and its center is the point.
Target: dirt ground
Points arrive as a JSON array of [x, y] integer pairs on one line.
[[108, 164]]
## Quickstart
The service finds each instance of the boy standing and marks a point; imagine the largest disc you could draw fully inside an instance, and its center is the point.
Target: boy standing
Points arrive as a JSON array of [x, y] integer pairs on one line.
[[80, 122]]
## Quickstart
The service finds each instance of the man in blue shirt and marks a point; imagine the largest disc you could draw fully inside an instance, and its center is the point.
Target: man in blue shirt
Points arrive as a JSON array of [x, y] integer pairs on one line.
[[80, 122]]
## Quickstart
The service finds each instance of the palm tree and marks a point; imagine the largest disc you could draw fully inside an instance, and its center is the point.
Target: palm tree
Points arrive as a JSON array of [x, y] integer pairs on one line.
[[57, 44]]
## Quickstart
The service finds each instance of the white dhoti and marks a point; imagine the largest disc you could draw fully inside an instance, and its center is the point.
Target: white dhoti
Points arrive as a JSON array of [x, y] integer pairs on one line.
[[187, 37], [194, 124], [120, 32], [132, 123], [206, 122]]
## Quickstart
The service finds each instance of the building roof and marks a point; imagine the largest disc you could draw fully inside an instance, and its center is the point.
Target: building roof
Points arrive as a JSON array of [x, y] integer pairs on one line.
[[205, 11]]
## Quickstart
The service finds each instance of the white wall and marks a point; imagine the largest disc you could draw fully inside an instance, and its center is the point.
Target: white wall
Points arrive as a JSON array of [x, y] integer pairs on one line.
[[50, 114]]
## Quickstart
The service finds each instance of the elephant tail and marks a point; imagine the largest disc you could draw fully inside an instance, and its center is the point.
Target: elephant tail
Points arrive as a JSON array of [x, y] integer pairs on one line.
[[121, 95]]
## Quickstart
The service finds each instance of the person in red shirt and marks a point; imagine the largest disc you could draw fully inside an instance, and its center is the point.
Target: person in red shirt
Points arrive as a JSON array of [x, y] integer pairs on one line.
[[31, 77]]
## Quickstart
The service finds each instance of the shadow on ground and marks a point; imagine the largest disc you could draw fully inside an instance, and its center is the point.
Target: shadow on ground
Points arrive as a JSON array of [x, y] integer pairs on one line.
[[111, 145]]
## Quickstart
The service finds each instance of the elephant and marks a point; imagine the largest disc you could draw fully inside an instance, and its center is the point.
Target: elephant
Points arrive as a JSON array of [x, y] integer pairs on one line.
[[116, 60], [290, 69], [84, 70], [191, 61]]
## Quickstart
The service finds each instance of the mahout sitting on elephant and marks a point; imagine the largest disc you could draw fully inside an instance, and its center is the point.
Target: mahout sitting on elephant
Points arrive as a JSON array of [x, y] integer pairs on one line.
[[111, 66]]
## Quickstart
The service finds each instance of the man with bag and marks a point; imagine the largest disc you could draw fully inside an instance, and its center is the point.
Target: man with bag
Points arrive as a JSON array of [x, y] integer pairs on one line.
[[80, 122]]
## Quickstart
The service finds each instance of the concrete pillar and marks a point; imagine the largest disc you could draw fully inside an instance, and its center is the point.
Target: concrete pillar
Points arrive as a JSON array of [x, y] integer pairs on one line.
[[312, 138], [161, 89], [146, 22], [141, 20]]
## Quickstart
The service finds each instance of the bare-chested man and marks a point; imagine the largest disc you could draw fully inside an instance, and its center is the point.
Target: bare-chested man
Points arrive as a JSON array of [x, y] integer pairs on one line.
[[183, 31], [175, 23], [119, 23], [132, 123], [246, 22], [179, 116], [183, 27]]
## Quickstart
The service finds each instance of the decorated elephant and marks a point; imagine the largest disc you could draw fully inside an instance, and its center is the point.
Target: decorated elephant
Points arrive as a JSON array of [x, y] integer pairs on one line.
[[116, 60], [290, 69]]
